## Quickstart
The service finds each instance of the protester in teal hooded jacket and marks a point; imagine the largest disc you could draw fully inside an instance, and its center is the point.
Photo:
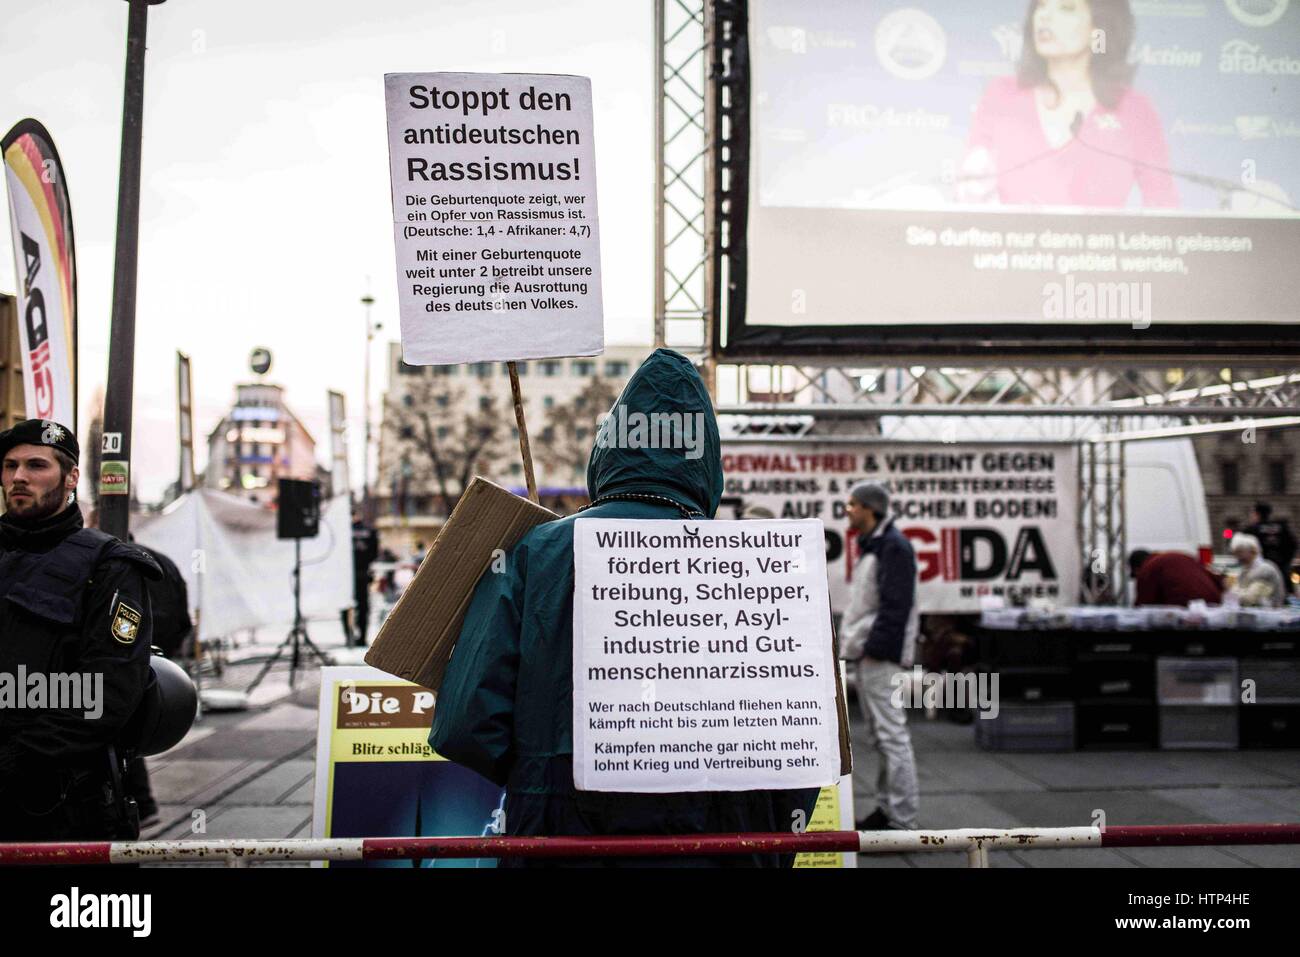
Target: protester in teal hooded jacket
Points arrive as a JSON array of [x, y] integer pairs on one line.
[[505, 708]]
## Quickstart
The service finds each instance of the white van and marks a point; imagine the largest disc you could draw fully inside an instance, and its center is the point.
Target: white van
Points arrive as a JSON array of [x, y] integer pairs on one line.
[[1164, 499]]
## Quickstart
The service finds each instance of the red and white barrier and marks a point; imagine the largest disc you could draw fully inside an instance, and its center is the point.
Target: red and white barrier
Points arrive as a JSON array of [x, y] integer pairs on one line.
[[975, 842]]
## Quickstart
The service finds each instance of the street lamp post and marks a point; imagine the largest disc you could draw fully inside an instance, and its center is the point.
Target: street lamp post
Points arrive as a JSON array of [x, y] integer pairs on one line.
[[115, 507], [371, 328]]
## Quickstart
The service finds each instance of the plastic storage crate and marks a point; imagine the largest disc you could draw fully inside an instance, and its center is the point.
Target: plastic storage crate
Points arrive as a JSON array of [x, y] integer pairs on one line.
[[1197, 681], [1275, 645], [1128, 677], [1028, 727], [1019, 684], [1095, 646], [1270, 726], [1198, 726], [1277, 680], [1198, 644], [999, 648], [1120, 724]]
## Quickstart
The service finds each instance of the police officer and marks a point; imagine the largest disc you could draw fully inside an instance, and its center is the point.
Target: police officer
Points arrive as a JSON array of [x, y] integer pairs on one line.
[[169, 603], [365, 549], [75, 632]]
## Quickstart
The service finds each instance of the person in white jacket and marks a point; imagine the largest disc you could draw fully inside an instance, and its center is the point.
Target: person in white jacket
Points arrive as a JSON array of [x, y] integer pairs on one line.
[[1260, 582], [879, 632]]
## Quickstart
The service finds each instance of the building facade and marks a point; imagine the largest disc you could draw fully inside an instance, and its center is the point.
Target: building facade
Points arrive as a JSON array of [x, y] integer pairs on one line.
[[1245, 466], [12, 402], [258, 442]]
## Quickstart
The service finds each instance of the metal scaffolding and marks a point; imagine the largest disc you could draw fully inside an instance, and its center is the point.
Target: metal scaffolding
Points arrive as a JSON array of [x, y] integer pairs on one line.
[[1099, 405], [681, 174]]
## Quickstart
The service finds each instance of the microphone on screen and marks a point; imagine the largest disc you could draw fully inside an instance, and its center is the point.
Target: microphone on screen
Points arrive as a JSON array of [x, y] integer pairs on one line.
[[1225, 187]]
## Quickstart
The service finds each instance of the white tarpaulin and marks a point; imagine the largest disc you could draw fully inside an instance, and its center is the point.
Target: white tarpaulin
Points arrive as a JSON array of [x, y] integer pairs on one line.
[[239, 574]]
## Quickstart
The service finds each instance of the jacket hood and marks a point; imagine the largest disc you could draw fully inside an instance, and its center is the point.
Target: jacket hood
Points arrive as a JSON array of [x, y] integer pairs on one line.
[[660, 437]]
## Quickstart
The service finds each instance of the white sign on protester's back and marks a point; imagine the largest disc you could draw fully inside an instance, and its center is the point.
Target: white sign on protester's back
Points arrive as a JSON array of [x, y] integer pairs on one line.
[[494, 216], [702, 657]]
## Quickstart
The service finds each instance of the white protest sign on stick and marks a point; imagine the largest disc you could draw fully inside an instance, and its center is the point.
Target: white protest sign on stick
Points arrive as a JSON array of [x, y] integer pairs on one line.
[[702, 656], [494, 216]]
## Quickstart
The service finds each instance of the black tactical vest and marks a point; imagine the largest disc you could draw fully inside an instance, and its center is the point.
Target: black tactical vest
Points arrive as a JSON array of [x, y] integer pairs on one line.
[[42, 598]]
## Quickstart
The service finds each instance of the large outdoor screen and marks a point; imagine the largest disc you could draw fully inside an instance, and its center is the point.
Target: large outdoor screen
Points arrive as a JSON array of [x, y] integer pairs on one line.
[[1097, 172]]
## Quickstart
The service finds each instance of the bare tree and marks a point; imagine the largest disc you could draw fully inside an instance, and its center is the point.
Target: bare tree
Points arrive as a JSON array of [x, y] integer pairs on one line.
[[571, 427], [444, 440]]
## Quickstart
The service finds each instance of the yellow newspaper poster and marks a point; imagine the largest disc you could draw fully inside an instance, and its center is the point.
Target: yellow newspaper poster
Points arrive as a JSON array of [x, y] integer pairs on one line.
[[834, 812]]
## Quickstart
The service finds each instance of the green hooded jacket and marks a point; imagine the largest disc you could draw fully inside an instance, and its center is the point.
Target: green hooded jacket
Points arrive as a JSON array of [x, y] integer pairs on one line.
[[505, 708]]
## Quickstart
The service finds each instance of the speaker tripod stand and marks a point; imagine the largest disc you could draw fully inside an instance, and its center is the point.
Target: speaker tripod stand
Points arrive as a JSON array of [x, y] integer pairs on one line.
[[297, 636]]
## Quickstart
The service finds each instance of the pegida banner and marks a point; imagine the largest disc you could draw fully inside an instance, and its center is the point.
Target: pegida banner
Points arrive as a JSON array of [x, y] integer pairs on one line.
[[40, 215], [985, 519]]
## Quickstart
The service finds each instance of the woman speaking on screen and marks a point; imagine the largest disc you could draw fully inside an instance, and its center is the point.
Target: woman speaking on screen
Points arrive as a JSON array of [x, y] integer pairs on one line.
[[1069, 129]]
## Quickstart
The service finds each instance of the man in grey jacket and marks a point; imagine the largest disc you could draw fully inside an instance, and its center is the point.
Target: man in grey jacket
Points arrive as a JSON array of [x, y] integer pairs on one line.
[[879, 632]]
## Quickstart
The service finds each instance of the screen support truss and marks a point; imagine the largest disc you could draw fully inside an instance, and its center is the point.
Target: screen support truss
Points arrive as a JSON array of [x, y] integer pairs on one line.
[[682, 166], [1099, 405]]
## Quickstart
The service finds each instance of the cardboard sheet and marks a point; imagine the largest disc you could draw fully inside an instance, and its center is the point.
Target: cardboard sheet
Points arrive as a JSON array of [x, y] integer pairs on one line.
[[416, 640]]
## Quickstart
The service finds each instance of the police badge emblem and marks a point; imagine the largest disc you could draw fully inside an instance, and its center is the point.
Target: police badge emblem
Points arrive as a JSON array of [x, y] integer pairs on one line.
[[126, 623]]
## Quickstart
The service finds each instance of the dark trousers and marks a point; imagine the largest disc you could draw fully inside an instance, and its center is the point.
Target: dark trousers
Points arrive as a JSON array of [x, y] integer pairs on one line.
[[355, 633], [362, 624], [65, 805], [137, 785]]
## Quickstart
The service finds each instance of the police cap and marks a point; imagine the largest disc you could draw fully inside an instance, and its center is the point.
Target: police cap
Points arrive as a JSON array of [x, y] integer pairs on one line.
[[45, 432]]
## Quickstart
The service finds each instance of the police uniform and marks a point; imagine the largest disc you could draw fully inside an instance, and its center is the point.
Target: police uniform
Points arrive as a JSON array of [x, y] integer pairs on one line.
[[73, 612]]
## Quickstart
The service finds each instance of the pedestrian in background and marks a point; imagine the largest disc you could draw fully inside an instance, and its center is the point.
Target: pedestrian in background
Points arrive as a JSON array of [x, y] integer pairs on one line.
[[879, 633], [365, 549], [1259, 583], [1172, 578], [1277, 542]]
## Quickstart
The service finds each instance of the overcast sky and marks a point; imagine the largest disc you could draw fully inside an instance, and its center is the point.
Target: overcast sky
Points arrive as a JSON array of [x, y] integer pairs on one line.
[[265, 200]]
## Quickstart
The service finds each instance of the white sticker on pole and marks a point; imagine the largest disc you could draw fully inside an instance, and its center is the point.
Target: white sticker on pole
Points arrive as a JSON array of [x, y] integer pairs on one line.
[[494, 216], [702, 657]]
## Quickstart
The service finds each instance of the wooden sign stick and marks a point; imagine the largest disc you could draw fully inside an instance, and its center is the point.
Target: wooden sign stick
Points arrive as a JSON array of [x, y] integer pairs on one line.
[[524, 448]]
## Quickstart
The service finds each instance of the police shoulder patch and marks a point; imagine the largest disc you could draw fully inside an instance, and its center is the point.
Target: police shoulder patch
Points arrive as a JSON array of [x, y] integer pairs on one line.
[[125, 622]]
